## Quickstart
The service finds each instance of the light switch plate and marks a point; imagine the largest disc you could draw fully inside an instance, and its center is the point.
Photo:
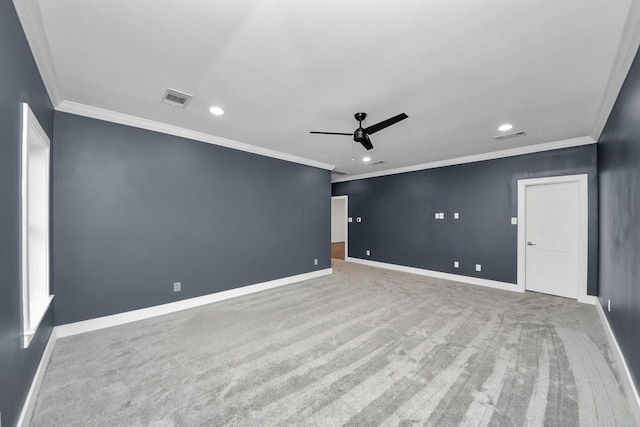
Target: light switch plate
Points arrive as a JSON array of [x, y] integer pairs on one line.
[[456, 215], [514, 221], [358, 219], [349, 219]]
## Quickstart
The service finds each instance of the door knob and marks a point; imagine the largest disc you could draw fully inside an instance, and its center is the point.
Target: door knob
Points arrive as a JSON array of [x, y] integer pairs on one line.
[[531, 244]]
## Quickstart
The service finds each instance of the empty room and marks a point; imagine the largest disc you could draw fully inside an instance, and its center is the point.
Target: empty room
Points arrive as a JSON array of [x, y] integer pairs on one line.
[[296, 213]]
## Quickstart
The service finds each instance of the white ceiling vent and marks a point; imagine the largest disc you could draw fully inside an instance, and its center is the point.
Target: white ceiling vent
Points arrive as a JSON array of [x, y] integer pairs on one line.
[[176, 98], [510, 135], [379, 162]]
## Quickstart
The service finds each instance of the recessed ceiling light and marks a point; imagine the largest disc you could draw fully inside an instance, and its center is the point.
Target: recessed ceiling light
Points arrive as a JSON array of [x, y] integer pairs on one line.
[[505, 127], [216, 111], [366, 159]]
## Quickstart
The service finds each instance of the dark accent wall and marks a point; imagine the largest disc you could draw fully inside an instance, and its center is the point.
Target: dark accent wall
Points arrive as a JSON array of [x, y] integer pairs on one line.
[[136, 211], [19, 82], [619, 175], [398, 224]]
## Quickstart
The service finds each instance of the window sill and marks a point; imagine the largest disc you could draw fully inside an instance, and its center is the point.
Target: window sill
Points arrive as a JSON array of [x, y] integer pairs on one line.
[[37, 310]]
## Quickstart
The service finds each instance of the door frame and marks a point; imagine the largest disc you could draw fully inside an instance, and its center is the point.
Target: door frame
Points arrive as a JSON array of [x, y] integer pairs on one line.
[[346, 223], [583, 228]]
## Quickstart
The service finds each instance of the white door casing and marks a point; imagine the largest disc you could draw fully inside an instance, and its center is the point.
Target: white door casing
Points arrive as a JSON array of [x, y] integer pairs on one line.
[[552, 236], [344, 226]]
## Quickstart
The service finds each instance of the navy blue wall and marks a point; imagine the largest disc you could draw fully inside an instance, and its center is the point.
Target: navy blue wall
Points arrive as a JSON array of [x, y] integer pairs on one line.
[[619, 175], [19, 82], [398, 224], [135, 211]]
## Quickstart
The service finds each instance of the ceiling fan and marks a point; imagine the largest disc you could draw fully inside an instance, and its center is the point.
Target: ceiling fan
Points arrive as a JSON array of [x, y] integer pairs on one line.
[[362, 135]]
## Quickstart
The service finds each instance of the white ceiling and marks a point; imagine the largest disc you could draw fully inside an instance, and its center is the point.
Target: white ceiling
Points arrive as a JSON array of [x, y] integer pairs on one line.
[[280, 68]]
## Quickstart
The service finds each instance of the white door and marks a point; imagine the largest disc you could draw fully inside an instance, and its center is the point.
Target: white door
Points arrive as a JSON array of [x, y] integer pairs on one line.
[[553, 240]]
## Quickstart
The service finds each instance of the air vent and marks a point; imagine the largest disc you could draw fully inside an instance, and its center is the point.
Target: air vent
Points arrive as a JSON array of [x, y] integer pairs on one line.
[[510, 135], [379, 162], [339, 172], [176, 98]]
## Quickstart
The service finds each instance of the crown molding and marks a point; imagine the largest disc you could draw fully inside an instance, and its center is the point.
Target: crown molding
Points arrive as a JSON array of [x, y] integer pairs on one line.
[[627, 49], [529, 149], [138, 122], [31, 20]]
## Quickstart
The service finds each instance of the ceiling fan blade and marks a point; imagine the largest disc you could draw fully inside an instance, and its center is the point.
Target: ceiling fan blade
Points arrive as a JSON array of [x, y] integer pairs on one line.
[[385, 123], [366, 142], [332, 133]]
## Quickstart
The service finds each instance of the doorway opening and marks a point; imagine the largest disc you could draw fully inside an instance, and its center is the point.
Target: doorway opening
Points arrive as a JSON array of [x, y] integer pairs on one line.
[[553, 236], [339, 233]]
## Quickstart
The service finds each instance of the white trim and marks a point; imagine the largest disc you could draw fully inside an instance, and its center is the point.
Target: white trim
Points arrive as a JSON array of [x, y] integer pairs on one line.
[[626, 52], [158, 310], [31, 20], [34, 304], [505, 286], [36, 383], [630, 389], [583, 234], [29, 332], [566, 143], [346, 223], [138, 122]]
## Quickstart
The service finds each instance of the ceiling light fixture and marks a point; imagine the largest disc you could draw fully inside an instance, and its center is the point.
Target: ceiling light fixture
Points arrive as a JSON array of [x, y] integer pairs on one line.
[[216, 111], [505, 127], [366, 159]]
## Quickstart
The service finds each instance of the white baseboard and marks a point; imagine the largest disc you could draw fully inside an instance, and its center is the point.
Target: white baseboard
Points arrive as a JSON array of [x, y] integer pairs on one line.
[[32, 396], [158, 310], [505, 286], [623, 369], [588, 299]]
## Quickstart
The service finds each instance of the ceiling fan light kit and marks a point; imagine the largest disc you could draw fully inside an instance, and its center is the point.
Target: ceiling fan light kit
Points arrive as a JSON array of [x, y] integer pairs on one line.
[[361, 135]]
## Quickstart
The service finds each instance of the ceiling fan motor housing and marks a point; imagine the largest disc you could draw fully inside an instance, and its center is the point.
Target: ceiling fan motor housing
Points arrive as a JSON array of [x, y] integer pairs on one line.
[[359, 135]]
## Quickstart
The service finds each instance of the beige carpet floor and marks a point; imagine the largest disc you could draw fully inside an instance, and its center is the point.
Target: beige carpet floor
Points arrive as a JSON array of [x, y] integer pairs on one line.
[[361, 347]]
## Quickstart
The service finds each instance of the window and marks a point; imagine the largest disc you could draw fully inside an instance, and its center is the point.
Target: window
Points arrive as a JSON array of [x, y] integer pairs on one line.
[[35, 224]]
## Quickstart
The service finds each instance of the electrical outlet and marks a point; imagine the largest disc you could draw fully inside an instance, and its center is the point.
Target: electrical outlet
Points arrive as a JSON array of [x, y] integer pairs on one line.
[[368, 252], [456, 215], [177, 286], [437, 215], [456, 264], [478, 267], [315, 261], [609, 305]]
